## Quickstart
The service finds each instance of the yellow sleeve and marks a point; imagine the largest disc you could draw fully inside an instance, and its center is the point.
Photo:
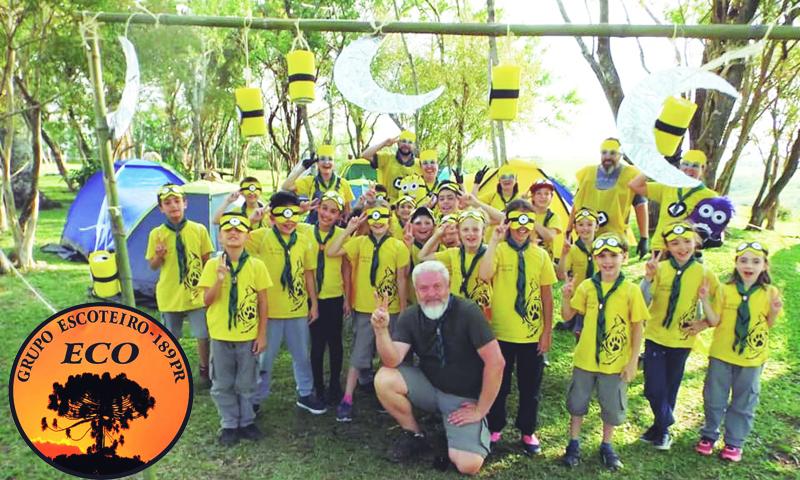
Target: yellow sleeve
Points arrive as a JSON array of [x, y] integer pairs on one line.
[[578, 301], [263, 280], [309, 255], [352, 247], [383, 158], [569, 259], [639, 311], [548, 274], [205, 244], [443, 256], [347, 192], [773, 292], [655, 191], [556, 223], [254, 241], [486, 197], [403, 257], [209, 276], [719, 301], [152, 239], [580, 174], [303, 185]]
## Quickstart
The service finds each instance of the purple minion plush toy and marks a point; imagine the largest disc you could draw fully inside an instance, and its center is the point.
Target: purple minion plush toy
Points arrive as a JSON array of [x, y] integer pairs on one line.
[[710, 218]]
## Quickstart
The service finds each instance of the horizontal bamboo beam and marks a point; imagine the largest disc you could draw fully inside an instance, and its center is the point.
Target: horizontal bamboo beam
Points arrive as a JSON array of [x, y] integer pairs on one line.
[[714, 31]]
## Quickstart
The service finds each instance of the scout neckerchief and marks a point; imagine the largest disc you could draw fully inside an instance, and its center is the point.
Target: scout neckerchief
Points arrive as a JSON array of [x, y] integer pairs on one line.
[[500, 192], [286, 275], [320, 187], [601, 311], [675, 291], [519, 303], [321, 254], [548, 215], [233, 295], [376, 247], [743, 316], [678, 208], [590, 264], [180, 250], [466, 273]]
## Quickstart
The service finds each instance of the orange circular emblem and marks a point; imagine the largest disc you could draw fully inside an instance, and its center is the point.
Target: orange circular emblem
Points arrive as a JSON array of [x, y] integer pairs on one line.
[[100, 390]]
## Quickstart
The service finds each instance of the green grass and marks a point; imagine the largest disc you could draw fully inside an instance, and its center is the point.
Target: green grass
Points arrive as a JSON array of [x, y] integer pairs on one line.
[[305, 447]]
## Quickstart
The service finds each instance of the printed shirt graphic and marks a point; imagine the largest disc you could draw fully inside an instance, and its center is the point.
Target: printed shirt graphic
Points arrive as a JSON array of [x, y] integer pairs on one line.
[[290, 302], [576, 263], [666, 196], [614, 204], [508, 326], [756, 350], [306, 187], [477, 290], [252, 279], [332, 281], [685, 309], [171, 295], [625, 306], [392, 256], [391, 172]]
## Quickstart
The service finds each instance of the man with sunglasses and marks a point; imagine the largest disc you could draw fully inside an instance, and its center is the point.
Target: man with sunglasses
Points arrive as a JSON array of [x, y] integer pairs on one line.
[[675, 203], [459, 372], [392, 167], [604, 189], [313, 187]]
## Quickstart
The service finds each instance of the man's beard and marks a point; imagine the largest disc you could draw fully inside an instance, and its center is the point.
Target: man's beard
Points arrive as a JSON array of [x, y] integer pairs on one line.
[[609, 166], [436, 310]]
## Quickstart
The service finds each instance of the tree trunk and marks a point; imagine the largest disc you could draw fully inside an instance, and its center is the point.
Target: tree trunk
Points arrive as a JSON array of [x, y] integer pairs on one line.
[[30, 212], [83, 146], [8, 140], [759, 214]]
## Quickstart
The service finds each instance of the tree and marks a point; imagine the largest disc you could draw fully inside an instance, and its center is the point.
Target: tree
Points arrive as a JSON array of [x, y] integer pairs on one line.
[[107, 405]]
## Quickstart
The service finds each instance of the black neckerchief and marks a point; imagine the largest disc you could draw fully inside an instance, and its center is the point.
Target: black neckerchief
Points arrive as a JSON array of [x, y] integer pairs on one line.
[[233, 295], [466, 273], [602, 300], [286, 275], [321, 254], [675, 289], [376, 247], [180, 248], [590, 265], [520, 305], [742, 329]]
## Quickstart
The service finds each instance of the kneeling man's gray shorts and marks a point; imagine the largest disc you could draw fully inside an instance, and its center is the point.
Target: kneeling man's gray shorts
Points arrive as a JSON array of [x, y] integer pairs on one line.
[[472, 437]]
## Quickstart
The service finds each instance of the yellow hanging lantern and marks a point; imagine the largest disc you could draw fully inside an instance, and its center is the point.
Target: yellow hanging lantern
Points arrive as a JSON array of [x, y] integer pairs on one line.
[[251, 111], [504, 94], [103, 267], [672, 124], [301, 76]]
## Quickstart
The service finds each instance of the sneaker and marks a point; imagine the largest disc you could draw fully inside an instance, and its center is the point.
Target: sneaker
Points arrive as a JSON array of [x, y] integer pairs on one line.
[[731, 453], [664, 442], [344, 412], [572, 457], [530, 445], [649, 436], [312, 404], [251, 432], [409, 445], [704, 447], [228, 437], [610, 459]]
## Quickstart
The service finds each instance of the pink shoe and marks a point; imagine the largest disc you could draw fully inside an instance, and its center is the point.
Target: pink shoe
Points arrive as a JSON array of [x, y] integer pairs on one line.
[[495, 437], [530, 445], [704, 447], [731, 453]]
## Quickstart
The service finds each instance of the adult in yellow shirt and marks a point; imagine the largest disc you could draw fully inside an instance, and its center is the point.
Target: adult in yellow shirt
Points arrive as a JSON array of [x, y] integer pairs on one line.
[[235, 294], [179, 248], [671, 288], [744, 311], [522, 276], [606, 357], [393, 166], [313, 187], [675, 203], [604, 188]]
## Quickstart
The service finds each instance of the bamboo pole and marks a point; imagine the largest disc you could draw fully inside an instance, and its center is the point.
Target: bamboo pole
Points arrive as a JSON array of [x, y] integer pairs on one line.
[[107, 164], [714, 31]]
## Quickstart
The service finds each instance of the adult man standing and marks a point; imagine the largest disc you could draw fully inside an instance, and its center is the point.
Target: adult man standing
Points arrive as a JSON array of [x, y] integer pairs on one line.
[[459, 373], [393, 166], [604, 189]]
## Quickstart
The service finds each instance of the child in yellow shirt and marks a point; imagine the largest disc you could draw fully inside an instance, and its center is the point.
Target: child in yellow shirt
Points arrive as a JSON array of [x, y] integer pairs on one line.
[[548, 223], [249, 188], [576, 263]]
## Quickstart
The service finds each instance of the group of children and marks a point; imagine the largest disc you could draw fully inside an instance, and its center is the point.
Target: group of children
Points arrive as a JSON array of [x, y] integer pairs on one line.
[[307, 277]]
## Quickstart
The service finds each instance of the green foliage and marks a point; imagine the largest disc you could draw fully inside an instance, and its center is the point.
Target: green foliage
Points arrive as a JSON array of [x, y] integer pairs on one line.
[[81, 175]]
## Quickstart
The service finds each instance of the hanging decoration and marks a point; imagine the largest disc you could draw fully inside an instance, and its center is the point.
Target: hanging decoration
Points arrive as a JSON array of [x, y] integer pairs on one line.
[[250, 106], [504, 92], [119, 121], [670, 126]]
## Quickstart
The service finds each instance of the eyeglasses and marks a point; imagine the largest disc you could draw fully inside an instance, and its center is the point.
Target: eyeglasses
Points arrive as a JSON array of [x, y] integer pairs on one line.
[[286, 214], [609, 243], [754, 247]]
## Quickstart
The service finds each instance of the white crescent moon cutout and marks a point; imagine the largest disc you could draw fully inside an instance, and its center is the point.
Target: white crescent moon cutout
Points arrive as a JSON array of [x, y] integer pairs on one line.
[[640, 110], [120, 119], [353, 78]]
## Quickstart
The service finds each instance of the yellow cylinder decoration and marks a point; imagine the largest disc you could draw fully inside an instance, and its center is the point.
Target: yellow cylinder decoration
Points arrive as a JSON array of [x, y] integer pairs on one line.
[[301, 76], [103, 267], [672, 124], [251, 111], [504, 94]]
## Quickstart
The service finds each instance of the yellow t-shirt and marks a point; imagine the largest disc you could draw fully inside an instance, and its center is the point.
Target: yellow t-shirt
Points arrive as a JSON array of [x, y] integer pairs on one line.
[[666, 196], [685, 309], [305, 186], [292, 301], [577, 262], [756, 348], [612, 205], [392, 256], [495, 199], [252, 279], [508, 326], [171, 295], [264, 222], [477, 290], [553, 221], [390, 172], [396, 229], [624, 307], [332, 280]]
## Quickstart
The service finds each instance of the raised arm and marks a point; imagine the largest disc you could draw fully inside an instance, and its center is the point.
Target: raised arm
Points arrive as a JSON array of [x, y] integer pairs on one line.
[[372, 150], [639, 184], [336, 247], [298, 170], [486, 267], [224, 206]]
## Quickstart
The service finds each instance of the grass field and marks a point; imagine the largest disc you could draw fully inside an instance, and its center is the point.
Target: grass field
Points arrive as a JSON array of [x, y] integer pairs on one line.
[[305, 447]]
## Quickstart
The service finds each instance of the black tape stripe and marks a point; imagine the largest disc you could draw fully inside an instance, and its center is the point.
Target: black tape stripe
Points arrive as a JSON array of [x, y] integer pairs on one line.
[[105, 279], [302, 77], [672, 129], [252, 114], [503, 94]]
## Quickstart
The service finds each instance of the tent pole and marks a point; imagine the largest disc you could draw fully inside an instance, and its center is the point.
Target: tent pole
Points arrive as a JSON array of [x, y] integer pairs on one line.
[[107, 164], [712, 31]]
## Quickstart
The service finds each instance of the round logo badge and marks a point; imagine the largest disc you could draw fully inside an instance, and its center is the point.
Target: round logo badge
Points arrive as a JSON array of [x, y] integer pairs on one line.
[[100, 390]]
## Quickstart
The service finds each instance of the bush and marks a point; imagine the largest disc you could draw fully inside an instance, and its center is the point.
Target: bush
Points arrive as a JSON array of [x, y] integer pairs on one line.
[[81, 175]]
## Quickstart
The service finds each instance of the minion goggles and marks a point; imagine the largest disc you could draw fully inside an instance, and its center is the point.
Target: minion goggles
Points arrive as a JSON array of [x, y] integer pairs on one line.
[[519, 220], [250, 187], [585, 213], [474, 214], [753, 247], [378, 216], [679, 230], [236, 221], [609, 243], [286, 214], [170, 191], [335, 197]]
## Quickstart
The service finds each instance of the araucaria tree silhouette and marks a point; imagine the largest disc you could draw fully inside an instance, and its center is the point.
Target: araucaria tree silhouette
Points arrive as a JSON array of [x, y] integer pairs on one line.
[[107, 405]]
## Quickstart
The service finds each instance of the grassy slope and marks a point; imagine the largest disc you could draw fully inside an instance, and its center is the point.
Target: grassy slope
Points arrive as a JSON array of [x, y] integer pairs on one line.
[[298, 446]]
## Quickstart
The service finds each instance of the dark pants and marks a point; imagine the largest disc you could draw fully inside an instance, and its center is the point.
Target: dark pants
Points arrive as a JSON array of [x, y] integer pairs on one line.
[[327, 331], [530, 367], [663, 372]]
